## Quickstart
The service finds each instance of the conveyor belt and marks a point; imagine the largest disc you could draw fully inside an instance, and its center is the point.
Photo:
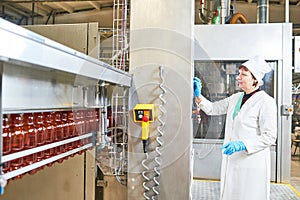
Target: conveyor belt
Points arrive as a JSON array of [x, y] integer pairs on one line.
[[204, 190]]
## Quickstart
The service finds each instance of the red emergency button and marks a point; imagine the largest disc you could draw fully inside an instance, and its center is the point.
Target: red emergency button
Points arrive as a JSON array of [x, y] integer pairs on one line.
[[145, 118]]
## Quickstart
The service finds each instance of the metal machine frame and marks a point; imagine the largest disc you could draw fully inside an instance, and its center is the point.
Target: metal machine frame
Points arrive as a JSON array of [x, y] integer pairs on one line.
[[40, 75]]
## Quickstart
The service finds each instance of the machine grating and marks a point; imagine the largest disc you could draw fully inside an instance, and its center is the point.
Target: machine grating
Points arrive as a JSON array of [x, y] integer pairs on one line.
[[204, 189]]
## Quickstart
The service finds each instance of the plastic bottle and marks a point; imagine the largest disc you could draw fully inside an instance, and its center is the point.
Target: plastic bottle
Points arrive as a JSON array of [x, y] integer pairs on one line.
[[17, 141], [30, 140], [6, 138], [65, 125], [97, 120], [92, 120], [40, 132], [66, 134], [79, 127], [71, 124], [82, 121], [109, 117], [88, 121], [84, 128], [79, 117], [88, 124], [58, 134], [49, 135]]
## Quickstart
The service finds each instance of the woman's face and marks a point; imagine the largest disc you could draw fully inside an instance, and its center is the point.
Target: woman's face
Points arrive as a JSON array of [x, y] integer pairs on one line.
[[245, 80]]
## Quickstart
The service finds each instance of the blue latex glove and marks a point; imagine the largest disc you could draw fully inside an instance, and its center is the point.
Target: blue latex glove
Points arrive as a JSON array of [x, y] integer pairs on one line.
[[233, 146], [197, 86]]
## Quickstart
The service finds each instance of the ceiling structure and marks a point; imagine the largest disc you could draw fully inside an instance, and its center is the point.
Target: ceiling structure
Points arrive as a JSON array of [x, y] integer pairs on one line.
[[31, 12], [57, 11]]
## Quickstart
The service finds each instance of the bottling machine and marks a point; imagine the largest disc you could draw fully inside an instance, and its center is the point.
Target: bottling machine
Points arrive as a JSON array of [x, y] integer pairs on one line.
[[55, 109], [139, 127]]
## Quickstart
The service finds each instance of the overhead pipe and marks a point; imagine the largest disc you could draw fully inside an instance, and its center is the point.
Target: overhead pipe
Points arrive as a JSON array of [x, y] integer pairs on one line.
[[262, 11], [202, 17], [238, 16], [287, 7], [32, 12], [225, 10]]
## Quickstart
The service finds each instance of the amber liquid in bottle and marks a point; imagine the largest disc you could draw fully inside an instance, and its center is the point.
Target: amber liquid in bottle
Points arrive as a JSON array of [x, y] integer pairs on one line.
[[6, 138], [17, 138], [49, 135], [30, 140], [78, 128], [82, 121], [92, 119], [109, 117], [88, 124], [65, 125], [71, 124], [97, 120], [81, 125], [58, 134], [40, 133]]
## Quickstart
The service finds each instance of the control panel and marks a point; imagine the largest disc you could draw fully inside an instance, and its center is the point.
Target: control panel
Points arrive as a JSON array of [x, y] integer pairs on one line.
[[287, 110], [142, 111]]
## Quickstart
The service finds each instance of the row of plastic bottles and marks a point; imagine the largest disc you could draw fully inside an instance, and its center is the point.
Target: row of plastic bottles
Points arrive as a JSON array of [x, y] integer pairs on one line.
[[29, 130]]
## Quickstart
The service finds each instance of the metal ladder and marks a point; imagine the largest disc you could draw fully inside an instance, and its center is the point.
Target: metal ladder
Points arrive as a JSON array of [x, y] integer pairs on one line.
[[120, 34], [118, 151]]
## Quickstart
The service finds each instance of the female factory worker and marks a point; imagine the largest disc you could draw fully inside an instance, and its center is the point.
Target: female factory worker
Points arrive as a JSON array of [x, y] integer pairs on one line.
[[251, 128]]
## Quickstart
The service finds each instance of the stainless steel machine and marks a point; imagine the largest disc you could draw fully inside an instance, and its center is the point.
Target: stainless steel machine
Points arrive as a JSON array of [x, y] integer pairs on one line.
[[40, 77], [219, 51]]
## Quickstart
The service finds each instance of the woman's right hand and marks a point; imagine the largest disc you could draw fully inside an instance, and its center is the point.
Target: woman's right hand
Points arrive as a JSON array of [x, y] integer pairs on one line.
[[198, 100]]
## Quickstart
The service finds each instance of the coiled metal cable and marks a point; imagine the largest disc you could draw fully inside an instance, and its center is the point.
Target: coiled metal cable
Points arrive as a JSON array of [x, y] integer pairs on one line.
[[160, 130], [146, 178], [148, 194]]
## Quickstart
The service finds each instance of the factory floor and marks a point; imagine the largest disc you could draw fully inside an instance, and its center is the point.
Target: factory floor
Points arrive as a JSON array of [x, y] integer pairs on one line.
[[205, 189], [295, 168], [287, 191]]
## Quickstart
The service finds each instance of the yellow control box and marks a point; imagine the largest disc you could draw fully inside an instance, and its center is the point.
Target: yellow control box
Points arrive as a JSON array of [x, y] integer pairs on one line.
[[141, 110]]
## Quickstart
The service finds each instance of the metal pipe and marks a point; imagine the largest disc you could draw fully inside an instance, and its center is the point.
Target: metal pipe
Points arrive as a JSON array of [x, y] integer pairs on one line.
[[287, 11], [224, 10], [32, 13], [234, 6], [53, 17], [238, 16], [202, 17], [263, 11], [49, 16], [101, 137], [27, 152]]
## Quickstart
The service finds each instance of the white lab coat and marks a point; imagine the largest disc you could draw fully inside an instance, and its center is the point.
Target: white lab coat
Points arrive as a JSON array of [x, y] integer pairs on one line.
[[245, 175]]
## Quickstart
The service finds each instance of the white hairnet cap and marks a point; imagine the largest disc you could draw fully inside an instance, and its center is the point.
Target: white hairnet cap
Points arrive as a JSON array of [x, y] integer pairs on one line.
[[258, 67]]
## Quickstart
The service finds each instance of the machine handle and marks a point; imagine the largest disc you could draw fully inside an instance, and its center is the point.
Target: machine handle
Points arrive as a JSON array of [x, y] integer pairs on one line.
[[145, 132]]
